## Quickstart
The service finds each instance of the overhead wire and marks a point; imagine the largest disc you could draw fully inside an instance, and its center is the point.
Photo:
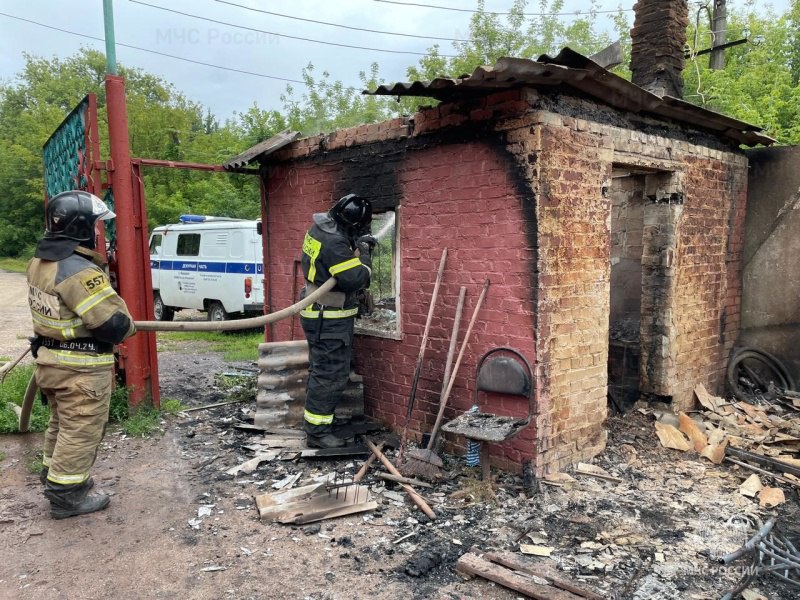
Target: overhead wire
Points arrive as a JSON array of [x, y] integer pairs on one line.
[[489, 12], [291, 37], [189, 60], [340, 25]]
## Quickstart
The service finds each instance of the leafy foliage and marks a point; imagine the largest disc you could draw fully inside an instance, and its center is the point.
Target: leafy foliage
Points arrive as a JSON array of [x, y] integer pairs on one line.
[[760, 82]]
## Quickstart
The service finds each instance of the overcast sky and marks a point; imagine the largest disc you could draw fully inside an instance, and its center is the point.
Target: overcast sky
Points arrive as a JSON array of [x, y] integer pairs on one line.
[[226, 91]]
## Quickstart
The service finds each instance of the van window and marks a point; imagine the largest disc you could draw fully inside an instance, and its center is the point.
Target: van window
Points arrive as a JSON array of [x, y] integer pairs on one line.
[[188, 244], [155, 244]]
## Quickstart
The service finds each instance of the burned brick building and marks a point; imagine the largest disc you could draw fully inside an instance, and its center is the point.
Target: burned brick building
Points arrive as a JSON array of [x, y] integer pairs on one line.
[[608, 219]]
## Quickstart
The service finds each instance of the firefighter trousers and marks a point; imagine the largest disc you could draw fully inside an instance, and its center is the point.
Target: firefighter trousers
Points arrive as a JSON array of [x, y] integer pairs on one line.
[[330, 350], [79, 403]]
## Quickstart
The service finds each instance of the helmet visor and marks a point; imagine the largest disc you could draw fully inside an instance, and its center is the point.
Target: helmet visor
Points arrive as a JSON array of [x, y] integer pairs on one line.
[[100, 211]]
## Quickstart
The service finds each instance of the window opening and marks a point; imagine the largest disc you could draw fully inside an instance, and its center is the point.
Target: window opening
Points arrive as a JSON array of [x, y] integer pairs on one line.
[[155, 244], [383, 297], [188, 244]]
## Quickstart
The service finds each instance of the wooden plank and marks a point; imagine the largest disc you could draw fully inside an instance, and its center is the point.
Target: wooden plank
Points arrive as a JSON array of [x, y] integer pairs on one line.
[[310, 517], [324, 504], [326, 452], [271, 505], [417, 482], [538, 569], [472, 564]]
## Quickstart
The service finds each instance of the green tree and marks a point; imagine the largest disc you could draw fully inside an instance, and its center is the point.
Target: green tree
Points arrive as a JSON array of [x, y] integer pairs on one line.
[[759, 83], [163, 124]]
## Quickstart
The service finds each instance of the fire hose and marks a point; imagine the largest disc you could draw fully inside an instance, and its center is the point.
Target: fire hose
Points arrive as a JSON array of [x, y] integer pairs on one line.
[[240, 323], [284, 313]]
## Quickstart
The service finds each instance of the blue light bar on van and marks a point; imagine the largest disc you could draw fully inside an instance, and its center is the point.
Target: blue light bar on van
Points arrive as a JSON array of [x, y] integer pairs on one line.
[[192, 219]]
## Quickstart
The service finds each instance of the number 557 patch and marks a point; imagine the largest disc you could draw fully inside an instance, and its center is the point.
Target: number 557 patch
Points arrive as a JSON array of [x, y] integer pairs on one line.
[[94, 283]]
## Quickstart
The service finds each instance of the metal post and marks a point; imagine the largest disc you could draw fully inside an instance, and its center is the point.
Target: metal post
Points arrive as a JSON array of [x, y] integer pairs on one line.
[[138, 352], [111, 50]]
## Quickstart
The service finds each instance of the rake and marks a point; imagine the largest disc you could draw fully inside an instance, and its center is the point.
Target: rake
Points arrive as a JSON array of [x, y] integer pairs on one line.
[[424, 462]]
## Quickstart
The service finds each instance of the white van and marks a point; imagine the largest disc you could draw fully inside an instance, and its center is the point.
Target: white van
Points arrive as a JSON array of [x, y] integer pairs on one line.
[[207, 263]]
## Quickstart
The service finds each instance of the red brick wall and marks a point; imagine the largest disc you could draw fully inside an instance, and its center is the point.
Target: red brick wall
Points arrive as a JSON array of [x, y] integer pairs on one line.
[[461, 196]]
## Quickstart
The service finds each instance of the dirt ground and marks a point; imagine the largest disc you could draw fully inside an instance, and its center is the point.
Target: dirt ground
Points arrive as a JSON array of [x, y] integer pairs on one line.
[[15, 316], [179, 526]]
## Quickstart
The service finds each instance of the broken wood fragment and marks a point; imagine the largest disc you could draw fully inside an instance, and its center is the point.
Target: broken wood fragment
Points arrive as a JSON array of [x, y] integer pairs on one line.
[[473, 564], [313, 503], [715, 452], [537, 568], [595, 471], [409, 481], [418, 500], [367, 463], [327, 452]]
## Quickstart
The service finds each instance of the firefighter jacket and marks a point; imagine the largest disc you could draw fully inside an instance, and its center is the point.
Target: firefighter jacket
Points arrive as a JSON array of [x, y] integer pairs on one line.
[[328, 252], [77, 316]]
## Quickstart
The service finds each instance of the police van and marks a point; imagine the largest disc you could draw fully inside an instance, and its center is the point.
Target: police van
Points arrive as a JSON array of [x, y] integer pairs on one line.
[[212, 264]]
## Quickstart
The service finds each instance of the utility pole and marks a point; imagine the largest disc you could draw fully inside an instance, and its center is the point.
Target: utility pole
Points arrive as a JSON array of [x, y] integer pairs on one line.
[[719, 24], [138, 353]]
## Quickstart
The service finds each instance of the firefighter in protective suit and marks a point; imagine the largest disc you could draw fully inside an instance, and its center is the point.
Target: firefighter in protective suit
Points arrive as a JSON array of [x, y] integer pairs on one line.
[[77, 318], [337, 245]]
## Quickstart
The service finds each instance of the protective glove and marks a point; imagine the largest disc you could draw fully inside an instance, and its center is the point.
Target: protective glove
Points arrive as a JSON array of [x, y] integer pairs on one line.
[[366, 244]]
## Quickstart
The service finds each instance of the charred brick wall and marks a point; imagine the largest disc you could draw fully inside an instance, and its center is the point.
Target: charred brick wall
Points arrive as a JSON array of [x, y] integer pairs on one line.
[[459, 188], [517, 187]]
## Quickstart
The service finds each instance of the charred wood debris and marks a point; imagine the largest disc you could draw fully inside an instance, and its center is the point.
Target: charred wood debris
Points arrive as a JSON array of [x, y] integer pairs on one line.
[[676, 507]]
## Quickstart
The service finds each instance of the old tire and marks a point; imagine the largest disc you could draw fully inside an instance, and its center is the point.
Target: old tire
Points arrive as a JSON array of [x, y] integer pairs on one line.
[[750, 371], [161, 311], [217, 312]]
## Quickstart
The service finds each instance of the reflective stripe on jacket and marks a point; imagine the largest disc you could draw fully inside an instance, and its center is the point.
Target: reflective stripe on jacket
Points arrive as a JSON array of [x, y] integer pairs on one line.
[[73, 298], [329, 253]]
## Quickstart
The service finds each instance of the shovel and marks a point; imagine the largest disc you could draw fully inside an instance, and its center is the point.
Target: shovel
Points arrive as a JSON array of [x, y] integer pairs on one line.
[[425, 463]]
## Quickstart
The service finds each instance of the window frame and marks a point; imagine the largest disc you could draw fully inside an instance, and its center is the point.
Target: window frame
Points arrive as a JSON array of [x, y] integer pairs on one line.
[[179, 250]]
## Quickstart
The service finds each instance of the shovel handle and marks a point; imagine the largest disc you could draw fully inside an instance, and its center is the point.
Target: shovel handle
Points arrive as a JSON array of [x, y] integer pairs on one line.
[[446, 394], [418, 500]]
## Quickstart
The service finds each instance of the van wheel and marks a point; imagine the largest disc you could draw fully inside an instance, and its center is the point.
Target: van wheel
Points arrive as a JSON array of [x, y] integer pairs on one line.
[[216, 312], [161, 311]]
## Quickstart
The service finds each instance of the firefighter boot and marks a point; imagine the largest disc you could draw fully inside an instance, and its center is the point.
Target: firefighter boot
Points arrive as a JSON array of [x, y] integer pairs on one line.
[[327, 440], [43, 478], [73, 500]]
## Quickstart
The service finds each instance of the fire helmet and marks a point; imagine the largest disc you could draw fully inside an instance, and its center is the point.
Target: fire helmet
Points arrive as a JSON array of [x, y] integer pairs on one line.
[[72, 215], [352, 212]]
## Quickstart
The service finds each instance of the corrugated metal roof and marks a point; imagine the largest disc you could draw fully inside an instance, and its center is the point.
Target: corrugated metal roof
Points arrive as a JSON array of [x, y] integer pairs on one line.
[[579, 72], [265, 148]]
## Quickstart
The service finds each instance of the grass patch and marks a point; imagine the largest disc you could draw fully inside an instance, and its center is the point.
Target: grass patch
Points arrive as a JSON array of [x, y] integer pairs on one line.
[[13, 390], [143, 423], [33, 461], [171, 406], [15, 265], [2, 456], [235, 346]]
